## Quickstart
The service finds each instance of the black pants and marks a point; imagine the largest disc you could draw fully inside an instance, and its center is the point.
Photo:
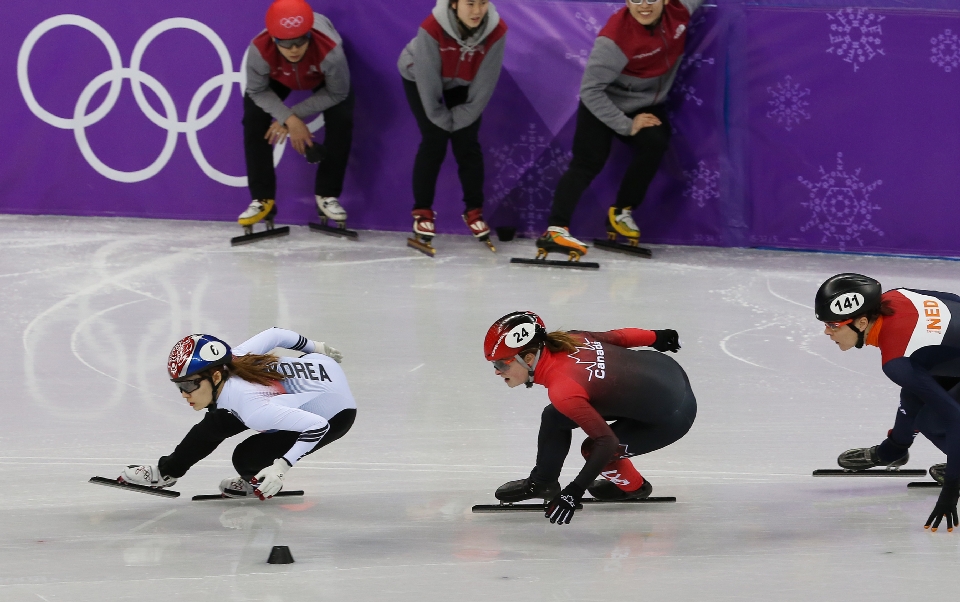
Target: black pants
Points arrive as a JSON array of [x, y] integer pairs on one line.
[[253, 454], [433, 150], [338, 139], [591, 148], [636, 437]]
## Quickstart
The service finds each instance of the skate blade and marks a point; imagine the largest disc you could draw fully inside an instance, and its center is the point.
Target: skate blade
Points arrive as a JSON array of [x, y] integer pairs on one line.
[[334, 231], [133, 487], [221, 496], [423, 247], [619, 247], [489, 245], [490, 508], [924, 485], [263, 234], [871, 472], [577, 265]]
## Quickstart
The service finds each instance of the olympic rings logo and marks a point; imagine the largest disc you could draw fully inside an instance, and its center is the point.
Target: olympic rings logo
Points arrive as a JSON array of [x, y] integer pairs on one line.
[[291, 22], [170, 122]]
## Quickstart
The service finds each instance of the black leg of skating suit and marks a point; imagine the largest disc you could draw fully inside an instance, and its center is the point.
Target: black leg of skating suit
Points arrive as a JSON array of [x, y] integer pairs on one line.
[[433, 151], [925, 421], [258, 152], [259, 451], [591, 149], [200, 442], [338, 139], [636, 437]]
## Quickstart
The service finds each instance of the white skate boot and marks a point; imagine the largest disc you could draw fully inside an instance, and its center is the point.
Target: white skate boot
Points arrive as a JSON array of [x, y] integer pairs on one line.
[[147, 476], [236, 487], [260, 210], [424, 229], [330, 208]]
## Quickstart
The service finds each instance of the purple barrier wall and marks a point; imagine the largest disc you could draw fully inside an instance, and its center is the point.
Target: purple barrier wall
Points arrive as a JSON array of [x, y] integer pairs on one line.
[[811, 127]]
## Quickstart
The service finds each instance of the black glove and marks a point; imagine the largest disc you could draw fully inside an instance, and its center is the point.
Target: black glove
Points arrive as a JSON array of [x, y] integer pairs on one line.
[[316, 153], [946, 506], [667, 340], [561, 508]]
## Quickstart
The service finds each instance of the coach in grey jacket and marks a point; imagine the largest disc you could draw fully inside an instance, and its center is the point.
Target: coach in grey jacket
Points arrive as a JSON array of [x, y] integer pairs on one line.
[[627, 79], [450, 71]]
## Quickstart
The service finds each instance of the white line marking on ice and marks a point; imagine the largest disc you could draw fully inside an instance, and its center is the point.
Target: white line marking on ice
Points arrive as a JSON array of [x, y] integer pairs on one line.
[[723, 344]]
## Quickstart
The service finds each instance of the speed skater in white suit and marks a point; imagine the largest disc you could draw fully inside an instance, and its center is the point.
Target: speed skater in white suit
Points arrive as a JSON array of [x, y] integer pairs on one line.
[[298, 404]]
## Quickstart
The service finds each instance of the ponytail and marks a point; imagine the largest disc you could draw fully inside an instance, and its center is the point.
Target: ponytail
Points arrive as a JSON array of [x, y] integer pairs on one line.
[[558, 341], [255, 368]]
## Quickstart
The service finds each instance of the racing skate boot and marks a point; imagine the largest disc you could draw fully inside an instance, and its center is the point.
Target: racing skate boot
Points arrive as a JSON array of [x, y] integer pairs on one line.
[[424, 229], [260, 210], [606, 491], [329, 208], [620, 222], [863, 458], [479, 228], [938, 472], [147, 476], [557, 239], [526, 489], [237, 487]]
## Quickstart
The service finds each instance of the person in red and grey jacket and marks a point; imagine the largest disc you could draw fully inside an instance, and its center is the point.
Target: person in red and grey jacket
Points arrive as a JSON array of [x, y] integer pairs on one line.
[[629, 73], [450, 71], [299, 50], [591, 377]]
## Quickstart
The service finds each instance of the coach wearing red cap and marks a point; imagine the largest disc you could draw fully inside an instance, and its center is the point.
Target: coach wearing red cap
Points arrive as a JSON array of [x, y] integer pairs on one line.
[[300, 50]]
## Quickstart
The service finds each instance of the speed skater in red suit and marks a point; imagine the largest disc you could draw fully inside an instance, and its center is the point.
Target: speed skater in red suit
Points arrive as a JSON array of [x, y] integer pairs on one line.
[[592, 377]]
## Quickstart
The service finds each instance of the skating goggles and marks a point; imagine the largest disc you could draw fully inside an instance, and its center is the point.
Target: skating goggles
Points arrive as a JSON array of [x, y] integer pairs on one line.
[[648, 2], [837, 325], [296, 42], [503, 365], [189, 386]]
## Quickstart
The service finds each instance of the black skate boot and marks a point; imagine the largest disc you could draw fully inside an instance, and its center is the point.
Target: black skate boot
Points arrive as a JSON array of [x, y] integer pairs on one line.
[[938, 472], [863, 458], [606, 491], [526, 489]]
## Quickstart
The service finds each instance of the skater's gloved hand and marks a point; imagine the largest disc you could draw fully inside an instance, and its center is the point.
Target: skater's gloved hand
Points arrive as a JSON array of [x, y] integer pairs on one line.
[[946, 506], [561, 508], [276, 133], [270, 479], [667, 340], [321, 347], [300, 136]]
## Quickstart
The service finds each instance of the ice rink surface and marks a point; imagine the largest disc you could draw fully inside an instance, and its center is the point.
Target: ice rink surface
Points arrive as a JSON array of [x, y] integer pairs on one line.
[[92, 307]]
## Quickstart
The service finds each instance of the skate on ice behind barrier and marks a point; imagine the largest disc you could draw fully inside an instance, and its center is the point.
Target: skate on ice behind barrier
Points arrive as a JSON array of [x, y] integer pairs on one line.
[[329, 208], [424, 229], [557, 239], [479, 228], [264, 210], [620, 222]]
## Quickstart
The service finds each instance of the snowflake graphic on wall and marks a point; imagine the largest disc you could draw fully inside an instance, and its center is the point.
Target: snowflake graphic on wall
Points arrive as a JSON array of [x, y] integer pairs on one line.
[[788, 102], [855, 35], [841, 205], [702, 184], [946, 51], [682, 90], [527, 174]]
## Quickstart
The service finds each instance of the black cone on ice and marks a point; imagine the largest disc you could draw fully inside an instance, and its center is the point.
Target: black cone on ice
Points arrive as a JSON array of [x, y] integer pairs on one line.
[[280, 555]]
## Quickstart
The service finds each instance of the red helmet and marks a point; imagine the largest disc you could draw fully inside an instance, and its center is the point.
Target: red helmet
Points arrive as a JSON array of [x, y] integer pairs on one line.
[[288, 19], [513, 333]]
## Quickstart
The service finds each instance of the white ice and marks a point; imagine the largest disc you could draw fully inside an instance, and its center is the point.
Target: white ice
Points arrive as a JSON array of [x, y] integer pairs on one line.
[[91, 308]]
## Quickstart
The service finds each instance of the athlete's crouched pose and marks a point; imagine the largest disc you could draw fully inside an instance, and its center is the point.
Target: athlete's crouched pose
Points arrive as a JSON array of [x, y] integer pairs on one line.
[[298, 405], [591, 377], [920, 349]]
